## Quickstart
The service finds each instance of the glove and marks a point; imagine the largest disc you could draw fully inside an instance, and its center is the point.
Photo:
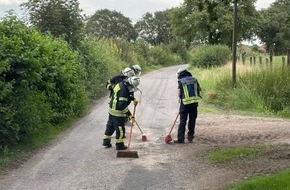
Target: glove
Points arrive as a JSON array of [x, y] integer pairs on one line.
[[135, 102], [132, 118]]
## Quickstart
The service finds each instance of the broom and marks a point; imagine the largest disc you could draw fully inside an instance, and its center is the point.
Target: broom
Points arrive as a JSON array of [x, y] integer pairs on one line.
[[144, 137], [168, 138], [128, 153]]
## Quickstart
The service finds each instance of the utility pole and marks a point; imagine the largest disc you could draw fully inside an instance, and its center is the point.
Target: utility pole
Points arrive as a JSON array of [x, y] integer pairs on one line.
[[234, 44]]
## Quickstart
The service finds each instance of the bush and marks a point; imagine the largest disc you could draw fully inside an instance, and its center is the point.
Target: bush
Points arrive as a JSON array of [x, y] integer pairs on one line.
[[209, 55], [41, 81], [179, 47], [161, 55], [101, 61], [129, 53]]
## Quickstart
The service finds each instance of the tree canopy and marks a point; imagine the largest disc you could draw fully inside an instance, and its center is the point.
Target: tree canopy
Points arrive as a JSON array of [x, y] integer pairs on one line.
[[274, 27], [211, 21], [154, 28], [61, 18], [110, 24]]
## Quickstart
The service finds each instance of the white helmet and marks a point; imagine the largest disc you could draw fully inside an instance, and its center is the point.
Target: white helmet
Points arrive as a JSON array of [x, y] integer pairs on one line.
[[180, 71], [128, 72], [134, 83], [136, 69]]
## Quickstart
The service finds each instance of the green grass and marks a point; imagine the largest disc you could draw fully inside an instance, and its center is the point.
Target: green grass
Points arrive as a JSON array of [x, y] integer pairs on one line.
[[228, 155], [261, 90], [279, 181]]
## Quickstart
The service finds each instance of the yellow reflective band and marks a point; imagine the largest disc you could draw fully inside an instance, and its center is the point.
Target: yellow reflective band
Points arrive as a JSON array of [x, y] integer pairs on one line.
[[191, 100], [120, 139], [118, 113], [116, 89], [123, 99], [106, 137], [186, 94]]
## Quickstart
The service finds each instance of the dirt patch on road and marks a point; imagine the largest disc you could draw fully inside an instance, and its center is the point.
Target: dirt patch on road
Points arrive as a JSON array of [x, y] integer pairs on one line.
[[216, 132]]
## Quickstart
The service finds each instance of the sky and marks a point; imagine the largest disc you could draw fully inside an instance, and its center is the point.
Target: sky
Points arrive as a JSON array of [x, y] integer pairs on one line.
[[133, 9]]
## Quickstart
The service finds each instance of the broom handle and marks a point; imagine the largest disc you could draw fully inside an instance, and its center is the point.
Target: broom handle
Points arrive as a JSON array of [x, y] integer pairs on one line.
[[139, 127], [173, 123], [131, 128]]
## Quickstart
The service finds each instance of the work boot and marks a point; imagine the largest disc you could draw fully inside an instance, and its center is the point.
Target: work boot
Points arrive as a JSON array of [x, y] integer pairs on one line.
[[107, 143], [190, 140], [120, 146], [178, 141]]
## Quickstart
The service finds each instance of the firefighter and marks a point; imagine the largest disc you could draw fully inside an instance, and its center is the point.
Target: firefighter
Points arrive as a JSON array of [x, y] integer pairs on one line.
[[119, 111], [124, 74], [189, 94], [136, 69]]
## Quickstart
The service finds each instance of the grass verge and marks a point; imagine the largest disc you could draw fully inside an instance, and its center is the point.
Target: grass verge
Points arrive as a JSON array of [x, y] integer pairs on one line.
[[279, 181], [233, 154]]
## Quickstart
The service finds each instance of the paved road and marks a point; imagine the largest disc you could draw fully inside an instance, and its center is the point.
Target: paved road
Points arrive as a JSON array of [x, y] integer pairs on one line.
[[78, 161]]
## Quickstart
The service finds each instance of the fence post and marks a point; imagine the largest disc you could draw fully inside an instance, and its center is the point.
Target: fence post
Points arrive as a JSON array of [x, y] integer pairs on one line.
[[288, 57], [254, 60], [251, 60], [260, 59], [244, 57]]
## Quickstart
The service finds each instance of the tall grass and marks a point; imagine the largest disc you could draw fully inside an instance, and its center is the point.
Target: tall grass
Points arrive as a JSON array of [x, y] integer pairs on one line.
[[262, 89]]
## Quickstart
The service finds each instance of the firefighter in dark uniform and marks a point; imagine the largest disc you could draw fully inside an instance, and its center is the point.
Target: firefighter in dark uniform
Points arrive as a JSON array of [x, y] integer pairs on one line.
[[119, 111], [189, 94], [124, 74]]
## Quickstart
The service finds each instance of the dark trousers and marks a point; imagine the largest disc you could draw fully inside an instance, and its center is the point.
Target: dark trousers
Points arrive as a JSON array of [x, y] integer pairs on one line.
[[115, 124], [187, 112]]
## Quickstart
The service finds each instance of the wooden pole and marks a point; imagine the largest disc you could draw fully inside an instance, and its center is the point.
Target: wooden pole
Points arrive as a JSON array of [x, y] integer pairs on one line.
[[288, 57], [234, 44]]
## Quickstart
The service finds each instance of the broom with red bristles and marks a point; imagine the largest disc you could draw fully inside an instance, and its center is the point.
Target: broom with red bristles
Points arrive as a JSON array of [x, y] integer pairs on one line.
[[168, 138], [144, 137]]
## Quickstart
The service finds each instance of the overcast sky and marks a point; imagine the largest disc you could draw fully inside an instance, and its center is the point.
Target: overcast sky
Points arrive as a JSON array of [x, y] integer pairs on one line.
[[134, 9]]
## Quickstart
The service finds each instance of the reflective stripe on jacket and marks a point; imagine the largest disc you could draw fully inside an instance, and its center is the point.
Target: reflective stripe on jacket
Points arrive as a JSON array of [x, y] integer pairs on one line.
[[189, 90], [120, 101]]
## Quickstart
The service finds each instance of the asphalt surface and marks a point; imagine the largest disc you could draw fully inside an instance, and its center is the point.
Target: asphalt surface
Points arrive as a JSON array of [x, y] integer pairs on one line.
[[78, 161]]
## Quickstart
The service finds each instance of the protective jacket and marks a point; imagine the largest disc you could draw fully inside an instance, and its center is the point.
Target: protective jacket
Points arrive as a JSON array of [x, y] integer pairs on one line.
[[189, 88], [120, 100]]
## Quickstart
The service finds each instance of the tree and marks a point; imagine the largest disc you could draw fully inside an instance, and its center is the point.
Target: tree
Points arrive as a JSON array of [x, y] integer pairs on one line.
[[61, 18], [210, 21], [110, 24], [155, 28], [274, 26]]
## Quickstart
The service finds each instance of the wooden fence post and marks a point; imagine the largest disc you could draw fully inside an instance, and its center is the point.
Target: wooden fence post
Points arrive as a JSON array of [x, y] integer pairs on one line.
[[260, 59], [254, 60], [251, 60], [288, 57], [243, 57]]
